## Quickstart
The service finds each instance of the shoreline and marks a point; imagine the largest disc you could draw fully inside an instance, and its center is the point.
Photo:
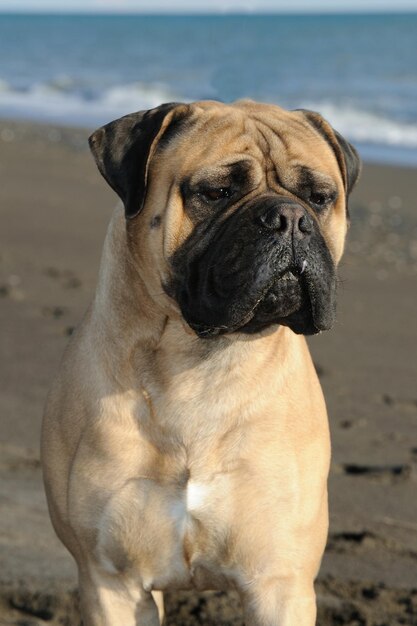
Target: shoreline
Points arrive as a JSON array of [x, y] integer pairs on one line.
[[54, 210]]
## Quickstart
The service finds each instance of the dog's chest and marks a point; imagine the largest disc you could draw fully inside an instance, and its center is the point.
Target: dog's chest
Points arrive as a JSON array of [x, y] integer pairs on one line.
[[169, 535]]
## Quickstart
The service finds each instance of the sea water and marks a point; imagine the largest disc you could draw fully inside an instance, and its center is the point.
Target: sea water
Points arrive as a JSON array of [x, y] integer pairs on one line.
[[359, 71]]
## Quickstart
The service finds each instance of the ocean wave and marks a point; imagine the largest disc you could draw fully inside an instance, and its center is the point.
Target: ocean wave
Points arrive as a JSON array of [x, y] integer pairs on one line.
[[366, 127], [66, 101]]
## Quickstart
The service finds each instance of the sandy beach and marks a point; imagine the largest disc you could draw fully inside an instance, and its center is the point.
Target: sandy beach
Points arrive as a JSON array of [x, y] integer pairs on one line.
[[54, 209]]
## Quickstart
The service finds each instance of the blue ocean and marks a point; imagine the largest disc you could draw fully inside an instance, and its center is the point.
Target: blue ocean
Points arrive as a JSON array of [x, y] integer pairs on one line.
[[359, 71]]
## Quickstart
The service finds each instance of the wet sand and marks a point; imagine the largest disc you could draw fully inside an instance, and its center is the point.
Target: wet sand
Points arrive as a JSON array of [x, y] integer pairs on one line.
[[54, 208]]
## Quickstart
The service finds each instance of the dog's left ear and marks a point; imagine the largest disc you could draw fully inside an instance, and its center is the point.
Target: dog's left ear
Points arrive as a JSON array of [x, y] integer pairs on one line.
[[123, 150], [346, 155]]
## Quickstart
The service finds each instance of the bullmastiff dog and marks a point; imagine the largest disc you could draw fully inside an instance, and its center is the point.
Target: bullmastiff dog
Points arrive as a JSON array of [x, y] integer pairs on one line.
[[185, 440]]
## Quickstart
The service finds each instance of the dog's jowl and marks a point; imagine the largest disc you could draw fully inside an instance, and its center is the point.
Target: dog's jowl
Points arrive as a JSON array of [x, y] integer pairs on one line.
[[185, 440]]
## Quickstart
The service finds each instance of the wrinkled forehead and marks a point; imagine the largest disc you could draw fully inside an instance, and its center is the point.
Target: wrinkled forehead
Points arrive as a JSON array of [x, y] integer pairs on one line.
[[264, 137]]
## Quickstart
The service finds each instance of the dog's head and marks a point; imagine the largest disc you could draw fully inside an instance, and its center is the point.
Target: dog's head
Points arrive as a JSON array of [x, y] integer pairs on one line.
[[237, 213]]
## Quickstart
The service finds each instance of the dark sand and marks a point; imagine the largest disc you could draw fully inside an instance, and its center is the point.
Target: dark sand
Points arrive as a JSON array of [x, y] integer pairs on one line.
[[54, 211]]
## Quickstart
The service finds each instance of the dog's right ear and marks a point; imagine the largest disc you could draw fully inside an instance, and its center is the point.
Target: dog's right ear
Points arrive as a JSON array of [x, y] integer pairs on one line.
[[123, 150]]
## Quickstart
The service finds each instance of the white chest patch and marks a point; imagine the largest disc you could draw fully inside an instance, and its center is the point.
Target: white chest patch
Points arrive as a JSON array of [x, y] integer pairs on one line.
[[196, 496]]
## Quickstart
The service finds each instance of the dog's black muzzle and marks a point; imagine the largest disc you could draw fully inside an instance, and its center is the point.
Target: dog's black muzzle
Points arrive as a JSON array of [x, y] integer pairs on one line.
[[265, 264]]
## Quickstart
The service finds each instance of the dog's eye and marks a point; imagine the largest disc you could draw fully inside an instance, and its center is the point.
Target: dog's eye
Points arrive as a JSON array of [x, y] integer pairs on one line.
[[216, 194], [319, 199]]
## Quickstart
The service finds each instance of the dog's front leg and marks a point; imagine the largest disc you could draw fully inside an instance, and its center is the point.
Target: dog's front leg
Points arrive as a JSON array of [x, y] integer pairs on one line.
[[278, 602], [110, 600]]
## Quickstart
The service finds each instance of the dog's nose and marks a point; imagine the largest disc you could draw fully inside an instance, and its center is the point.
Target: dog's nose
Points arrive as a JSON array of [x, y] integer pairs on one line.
[[289, 219]]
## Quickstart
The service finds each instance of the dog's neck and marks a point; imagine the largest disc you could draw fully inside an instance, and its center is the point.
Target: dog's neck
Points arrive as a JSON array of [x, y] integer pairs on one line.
[[121, 295]]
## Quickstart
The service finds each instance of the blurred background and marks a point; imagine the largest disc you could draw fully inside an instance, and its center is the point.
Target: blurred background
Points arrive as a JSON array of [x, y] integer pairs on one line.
[[67, 68]]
